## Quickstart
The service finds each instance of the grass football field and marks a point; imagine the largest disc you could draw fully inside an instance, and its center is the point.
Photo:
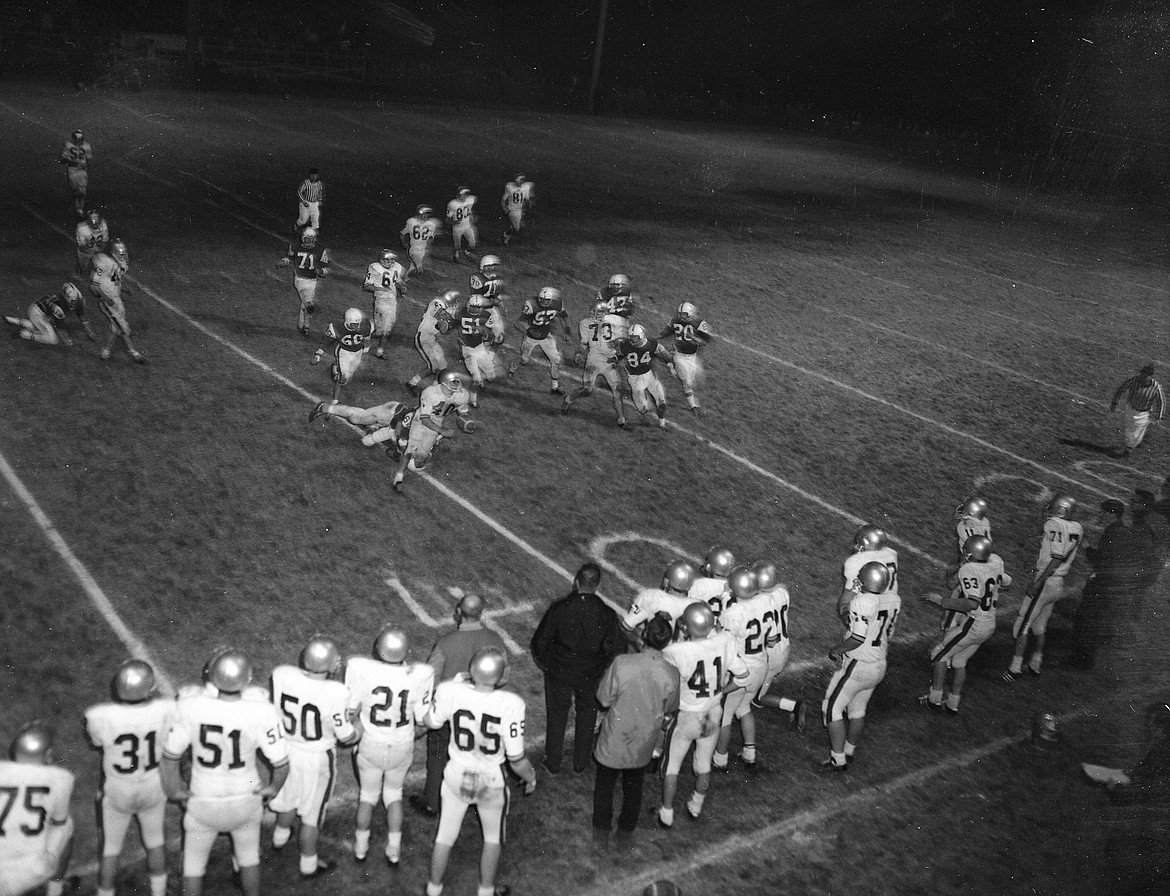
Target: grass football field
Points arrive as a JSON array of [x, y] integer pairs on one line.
[[889, 340]]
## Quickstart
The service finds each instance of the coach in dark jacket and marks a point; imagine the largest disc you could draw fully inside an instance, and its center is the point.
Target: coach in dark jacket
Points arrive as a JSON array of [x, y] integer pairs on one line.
[[573, 645]]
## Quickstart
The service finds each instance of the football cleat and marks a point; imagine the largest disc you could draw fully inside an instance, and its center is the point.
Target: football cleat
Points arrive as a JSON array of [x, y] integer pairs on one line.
[[387, 257], [874, 578], [321, 656], [353, 319], [133, 682], [309, 237], [679, 576], [829, 767], [719, 562], [742, 582], [974, 507], [317, 411], [637, 335], [229, 670], [698, 620], [977, 549], [619, 283], [765, 574], [71, 294], [687, 310], [425, 211], [489, 261], [547, 296], [487, 667], [33, 744], [869, 538], [1062, 507], [391, 644]]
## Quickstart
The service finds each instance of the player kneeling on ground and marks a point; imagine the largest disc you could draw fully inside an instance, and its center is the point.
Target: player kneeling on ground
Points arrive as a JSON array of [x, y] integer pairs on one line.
[[447, 395], [46, 318]]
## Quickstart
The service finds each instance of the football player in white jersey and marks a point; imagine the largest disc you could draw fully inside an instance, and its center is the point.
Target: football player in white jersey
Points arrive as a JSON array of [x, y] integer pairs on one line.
[[1059, 543], [105, 284], [970, 520], [518, 200], [777, 643], [224, 726], [92, 235], [670, 600], [445, 396], [129, 732], [37, 830], [748, 619], [873, 614], [438, 320], [599, 335], [487, 729], [315, 708], [350, 343], [461, 218], [969, 621], [384, 278], [709, 667], [870, 545], [711, 583], [416, 237], [390, 698]]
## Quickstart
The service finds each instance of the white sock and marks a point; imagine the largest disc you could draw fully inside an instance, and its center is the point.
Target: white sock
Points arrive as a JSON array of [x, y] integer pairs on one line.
[[308, 864], [280, 835], [850, 749], [109, 892], [838, 758], [666, 815], [394, 846], [695, 803], [361, 843], [158, 884], [719, 760], [434, 889]]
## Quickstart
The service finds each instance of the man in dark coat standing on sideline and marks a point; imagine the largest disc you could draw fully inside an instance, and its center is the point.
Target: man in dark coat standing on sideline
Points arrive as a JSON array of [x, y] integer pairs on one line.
[[451, 655], [573, 645]]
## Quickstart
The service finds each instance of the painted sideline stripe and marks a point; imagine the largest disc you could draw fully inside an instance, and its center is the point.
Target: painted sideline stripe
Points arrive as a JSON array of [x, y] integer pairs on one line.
[[921, 418], [89, 584], [755, 841]]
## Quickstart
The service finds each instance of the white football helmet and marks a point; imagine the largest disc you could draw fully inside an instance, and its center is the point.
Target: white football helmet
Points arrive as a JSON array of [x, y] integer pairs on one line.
[[475, 303], [452, 300], [451, 381], [321, 655], [464, 192], [387, 257], [133, 682], [95, 217], [520, 178], [229, 670], [353, 319], [33, 744], [638, 334], [679, 576], [309, 237], [71, 293], [487, 667], [686, 309], [1062, 507], [391, 644], [742, 582], [489, 261], [118, 250], [765, 574], [547, 296], [424, 211], [719, 561], [619, 283]]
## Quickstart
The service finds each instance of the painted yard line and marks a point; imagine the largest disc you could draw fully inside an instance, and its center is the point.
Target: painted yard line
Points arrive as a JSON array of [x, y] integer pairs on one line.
[[890, 281], [755, 841], [921, 418], [1065, 264], [1084, 399], [89, 585]]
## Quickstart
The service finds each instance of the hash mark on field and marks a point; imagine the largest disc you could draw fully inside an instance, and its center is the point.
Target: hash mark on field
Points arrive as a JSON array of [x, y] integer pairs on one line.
[[89, 585]]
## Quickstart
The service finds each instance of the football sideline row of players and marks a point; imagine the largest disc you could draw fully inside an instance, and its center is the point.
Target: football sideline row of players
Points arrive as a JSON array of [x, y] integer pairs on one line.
[[732, 623]]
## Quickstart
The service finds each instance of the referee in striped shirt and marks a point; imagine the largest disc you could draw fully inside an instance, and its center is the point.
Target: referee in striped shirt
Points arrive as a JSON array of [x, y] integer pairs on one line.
[[311, 193], [1144, 401]]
